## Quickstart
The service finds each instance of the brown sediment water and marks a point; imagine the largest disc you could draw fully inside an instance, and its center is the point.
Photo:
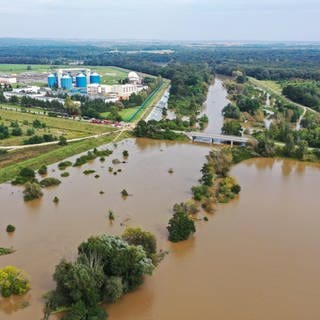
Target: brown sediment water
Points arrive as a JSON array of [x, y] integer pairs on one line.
[[256, 258]]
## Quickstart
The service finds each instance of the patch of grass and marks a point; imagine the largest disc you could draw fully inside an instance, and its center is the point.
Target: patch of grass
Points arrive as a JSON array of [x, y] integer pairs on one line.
[[70, 129]]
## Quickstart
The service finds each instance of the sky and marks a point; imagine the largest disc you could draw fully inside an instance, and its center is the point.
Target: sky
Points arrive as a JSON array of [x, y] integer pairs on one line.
[[241, 20]]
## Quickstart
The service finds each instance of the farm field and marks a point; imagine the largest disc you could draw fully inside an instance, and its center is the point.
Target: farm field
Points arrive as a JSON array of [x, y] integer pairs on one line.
[[109, 75], [56, 126]]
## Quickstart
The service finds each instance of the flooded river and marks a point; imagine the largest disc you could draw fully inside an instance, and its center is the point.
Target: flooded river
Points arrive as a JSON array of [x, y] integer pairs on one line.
[[216, 101], [257, 258]]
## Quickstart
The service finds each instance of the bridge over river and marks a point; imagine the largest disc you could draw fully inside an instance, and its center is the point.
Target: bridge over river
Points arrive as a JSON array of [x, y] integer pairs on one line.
[[216, 138]]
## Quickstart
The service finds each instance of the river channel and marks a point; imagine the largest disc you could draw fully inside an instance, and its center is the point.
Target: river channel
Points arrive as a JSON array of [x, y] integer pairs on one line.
[[257, 258]]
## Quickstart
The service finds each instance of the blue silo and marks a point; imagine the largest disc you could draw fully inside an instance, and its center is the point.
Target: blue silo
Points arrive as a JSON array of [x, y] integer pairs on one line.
[[95, 78], [66, 82], [81, 81], [52, 80]]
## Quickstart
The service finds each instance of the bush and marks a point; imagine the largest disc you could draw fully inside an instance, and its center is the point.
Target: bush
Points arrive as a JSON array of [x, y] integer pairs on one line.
[[124, 193], [43, 170], [13, 281], [10, 228], [62, 141], [25, 175], [49, 182], [65, 174], [87, 172], [65, 164], [32, 191]]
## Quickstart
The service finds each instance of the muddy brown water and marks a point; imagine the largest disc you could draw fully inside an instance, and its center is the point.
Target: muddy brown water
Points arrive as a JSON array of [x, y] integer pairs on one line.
[[256, 258]]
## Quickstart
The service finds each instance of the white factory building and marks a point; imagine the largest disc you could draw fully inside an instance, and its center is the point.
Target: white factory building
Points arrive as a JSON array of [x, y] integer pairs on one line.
[[122, 91]]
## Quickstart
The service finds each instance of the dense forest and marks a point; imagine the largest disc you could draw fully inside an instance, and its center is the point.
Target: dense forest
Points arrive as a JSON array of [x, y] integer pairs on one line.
[[305, 93], [264, 61]]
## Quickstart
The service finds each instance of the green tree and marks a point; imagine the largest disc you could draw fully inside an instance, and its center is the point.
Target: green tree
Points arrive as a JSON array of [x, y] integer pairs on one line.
[[180, 227], [13, 281], [138, 237]]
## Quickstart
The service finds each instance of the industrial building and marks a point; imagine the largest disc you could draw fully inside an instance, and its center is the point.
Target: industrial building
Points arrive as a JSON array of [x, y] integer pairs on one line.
[[67, 79], [122, 91]]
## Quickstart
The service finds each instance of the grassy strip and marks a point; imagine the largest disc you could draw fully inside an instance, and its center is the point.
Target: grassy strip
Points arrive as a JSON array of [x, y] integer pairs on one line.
[[10, 172]]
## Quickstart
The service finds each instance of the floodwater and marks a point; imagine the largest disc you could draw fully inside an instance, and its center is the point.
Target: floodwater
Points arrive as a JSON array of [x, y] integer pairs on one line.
[[257, 258], [216, 101]]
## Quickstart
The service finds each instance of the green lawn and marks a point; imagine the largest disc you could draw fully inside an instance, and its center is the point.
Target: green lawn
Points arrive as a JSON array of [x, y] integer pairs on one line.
[[125, 113], [55, 126]]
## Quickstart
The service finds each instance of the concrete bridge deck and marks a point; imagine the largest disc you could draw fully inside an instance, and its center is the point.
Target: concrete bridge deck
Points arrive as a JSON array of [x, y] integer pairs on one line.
[[217, 138]]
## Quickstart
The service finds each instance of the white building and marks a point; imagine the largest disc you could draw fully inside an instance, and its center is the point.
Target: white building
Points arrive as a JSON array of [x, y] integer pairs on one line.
[[121, 91]]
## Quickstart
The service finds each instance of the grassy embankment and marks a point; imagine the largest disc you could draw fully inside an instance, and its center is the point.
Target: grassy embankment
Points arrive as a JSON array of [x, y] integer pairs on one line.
[[11, 163], [56, 126]]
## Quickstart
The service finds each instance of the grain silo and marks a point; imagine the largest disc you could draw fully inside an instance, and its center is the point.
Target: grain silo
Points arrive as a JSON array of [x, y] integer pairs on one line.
[[66, 82], [95, 78], [52, 81], [81, 81]]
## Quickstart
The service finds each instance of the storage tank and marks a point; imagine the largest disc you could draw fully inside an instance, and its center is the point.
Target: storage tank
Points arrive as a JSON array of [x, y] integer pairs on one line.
[[66, 82], [81, 81], [95, 78], [52, 81]]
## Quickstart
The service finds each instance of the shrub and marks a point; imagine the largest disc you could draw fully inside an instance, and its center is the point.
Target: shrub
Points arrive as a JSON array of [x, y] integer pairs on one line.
[[65, 164], [56, 200], [124, 193], [62, 141], [65, 174], [49, 182], [87, 172], [43, 170], [32, 191], [10, 228], [125, 154]]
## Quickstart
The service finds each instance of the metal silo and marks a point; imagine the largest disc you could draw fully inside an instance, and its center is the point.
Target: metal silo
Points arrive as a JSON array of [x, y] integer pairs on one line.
[[81, 81], [66, 82], [52, 80], [95, 78]]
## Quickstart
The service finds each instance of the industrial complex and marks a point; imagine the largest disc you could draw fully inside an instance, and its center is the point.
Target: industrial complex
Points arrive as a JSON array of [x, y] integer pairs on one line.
[[83, 81]]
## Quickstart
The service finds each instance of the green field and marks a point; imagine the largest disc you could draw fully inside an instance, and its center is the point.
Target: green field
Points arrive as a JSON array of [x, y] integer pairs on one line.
[[109, 75], [56, 126], [125, 113]]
